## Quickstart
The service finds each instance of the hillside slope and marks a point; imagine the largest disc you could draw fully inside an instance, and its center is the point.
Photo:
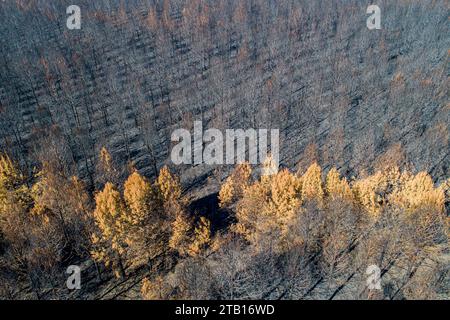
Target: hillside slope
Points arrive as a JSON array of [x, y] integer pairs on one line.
[[135, 72]]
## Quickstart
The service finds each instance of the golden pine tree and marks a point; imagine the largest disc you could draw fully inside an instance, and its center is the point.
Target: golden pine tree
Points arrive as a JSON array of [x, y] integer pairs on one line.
[[226, 193], [15, 201], [337, 187], [12, 185], [145, 229], [368, 192], [168, 189], [168, 185], [373, 191], [181, 234], [254, 198], [140, 198], [418, 192], [235, 184], [269, 206], [202, 237], [285, 191], [10, 176], [312, 183], [109, 244]]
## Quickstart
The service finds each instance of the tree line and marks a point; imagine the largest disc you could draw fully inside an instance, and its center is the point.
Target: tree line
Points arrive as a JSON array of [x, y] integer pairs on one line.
[[307, 234]]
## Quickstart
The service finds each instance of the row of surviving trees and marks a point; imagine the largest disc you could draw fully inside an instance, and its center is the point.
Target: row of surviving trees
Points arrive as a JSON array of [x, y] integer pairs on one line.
[[290, 236], [52, 222], [299, 236]]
